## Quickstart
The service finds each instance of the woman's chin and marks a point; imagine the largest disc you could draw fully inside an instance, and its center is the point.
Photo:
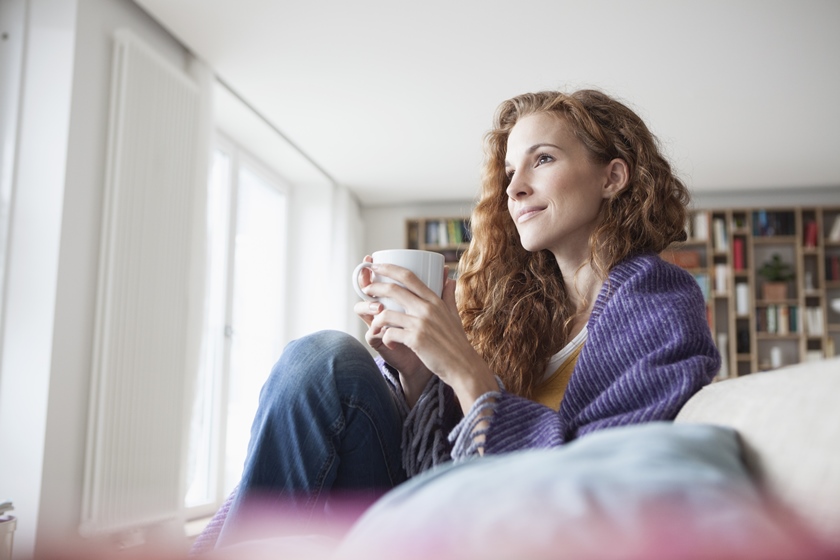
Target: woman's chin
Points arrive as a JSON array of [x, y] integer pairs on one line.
[[532, 246]]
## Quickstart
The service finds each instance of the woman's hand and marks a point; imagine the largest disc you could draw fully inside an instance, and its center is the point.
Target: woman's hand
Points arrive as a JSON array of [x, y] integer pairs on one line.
[[413, 373], [431, 328]]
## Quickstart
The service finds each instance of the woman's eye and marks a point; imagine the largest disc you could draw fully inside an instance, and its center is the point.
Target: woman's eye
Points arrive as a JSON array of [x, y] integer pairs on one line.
[[509, 173], [543, 158]]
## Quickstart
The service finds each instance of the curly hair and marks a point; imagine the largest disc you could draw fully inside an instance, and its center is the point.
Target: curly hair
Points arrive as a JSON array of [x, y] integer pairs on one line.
[[513, 303]]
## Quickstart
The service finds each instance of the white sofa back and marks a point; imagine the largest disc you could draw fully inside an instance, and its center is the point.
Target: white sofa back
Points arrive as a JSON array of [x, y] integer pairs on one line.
[[789, 423]]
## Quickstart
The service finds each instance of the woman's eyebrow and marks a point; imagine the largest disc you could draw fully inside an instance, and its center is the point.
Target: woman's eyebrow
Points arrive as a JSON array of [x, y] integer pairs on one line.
[[536, 147]]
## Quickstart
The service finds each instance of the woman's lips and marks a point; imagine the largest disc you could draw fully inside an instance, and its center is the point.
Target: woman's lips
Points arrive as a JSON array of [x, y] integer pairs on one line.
[[527, 213]]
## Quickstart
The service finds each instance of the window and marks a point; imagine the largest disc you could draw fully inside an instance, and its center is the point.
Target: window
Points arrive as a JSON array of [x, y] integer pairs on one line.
[[244, 319]]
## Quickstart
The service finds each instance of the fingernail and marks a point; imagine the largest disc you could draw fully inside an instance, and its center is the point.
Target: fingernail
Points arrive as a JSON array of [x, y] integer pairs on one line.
[[375, 307]]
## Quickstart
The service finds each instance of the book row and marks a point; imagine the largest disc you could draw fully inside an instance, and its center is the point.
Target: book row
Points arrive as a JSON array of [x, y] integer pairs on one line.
[[784, 319], [764, 224], [446, 232]]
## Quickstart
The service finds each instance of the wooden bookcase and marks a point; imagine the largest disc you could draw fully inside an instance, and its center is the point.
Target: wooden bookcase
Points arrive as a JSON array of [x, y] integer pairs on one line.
[[724, 251], [449, 236], [754, 330]]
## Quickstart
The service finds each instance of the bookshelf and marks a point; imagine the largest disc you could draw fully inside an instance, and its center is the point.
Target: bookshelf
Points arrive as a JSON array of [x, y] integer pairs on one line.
[[449, 236], [758, 326]]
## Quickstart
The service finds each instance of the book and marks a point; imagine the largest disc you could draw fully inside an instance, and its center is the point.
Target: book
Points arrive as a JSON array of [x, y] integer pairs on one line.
[[443, 233], [432, 232], [810, 234], [742, 298], [703, 282], [814, 321], [766, 224], [783, 320], [721, 278], [738, 254], [771, 319], [720, 239]]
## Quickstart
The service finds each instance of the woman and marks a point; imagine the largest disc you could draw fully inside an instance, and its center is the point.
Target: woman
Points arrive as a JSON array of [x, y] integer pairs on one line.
[[566, 322]]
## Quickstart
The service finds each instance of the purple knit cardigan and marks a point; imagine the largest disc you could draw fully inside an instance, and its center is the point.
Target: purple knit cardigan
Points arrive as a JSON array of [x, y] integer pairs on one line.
[[648, 350]]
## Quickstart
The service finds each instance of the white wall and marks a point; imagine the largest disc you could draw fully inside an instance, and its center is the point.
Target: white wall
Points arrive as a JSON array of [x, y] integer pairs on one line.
[[12, 26], [54, 250], [825, 196], [56, 221], [32, 279]]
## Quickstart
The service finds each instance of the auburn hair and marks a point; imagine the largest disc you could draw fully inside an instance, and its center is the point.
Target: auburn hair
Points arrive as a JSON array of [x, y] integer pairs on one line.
[[513, 303]]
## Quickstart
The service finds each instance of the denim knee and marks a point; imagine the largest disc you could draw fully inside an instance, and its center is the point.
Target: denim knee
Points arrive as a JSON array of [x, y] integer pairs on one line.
[[310, 363], [325, 345]]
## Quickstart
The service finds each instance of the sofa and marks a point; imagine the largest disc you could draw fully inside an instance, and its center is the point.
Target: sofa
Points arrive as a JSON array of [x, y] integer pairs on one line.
[[750, 469]]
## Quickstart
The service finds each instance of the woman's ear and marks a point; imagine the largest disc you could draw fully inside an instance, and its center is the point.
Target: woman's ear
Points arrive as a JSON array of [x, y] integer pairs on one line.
[[618, 175]]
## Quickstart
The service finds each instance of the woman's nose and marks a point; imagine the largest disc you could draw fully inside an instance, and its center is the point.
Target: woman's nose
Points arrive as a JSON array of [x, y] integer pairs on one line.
[[518, 187]]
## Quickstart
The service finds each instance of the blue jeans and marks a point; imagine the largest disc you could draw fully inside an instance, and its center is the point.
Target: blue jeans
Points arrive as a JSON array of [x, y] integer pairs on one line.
[[327, 426]]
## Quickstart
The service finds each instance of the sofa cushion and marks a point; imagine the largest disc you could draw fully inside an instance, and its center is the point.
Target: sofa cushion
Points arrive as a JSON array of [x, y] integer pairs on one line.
[[651, 491], [789, 423]]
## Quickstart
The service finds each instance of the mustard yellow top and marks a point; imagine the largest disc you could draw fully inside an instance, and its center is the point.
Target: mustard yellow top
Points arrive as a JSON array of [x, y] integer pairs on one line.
[[551, 392]]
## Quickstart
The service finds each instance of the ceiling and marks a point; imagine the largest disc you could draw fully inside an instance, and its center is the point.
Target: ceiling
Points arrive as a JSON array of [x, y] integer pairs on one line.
[[392, 98]]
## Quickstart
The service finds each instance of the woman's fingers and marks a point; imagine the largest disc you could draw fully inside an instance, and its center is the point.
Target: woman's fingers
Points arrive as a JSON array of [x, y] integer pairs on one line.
[[364, 278], [367, 310], [406, 278]]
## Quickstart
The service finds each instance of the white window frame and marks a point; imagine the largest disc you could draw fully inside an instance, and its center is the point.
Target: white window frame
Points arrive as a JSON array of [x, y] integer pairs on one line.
[[239, 157]]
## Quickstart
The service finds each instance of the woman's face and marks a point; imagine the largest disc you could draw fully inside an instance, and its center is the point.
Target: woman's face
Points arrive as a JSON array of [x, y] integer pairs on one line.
[[555, 190]]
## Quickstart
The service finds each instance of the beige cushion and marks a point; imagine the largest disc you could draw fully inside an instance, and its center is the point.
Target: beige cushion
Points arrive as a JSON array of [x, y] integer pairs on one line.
[[789, 422]]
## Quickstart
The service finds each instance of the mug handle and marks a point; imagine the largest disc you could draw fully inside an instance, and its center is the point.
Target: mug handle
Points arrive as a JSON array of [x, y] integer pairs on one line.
[[355, 281]]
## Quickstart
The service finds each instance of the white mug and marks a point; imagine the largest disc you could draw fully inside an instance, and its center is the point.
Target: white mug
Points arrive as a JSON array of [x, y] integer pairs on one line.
[[426, 265]]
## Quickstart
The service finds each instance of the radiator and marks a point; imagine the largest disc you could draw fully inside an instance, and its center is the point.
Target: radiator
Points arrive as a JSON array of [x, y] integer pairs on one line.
[[138, 411]]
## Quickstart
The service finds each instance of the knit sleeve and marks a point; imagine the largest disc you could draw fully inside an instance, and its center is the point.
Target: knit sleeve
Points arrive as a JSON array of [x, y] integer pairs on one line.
[[426, 426], [648, 350]]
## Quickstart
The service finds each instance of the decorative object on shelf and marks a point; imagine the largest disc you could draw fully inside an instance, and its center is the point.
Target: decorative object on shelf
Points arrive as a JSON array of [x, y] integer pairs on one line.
[[835, 305], [776, 273], [775, 357], [834, 234], [809, 282], [684, 258]]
